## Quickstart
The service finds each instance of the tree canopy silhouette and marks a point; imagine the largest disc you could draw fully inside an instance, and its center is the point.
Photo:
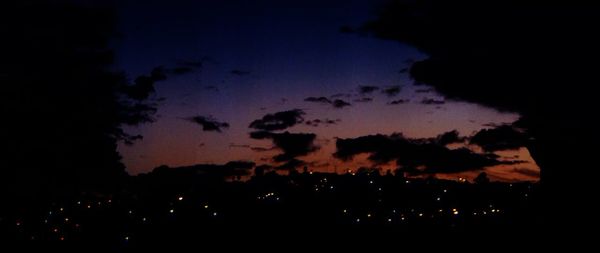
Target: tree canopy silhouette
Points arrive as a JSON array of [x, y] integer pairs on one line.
[[537, 58], [64, 105]]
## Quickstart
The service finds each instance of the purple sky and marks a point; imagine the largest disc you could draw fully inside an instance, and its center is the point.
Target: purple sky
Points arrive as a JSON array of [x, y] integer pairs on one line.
[[268, 57]]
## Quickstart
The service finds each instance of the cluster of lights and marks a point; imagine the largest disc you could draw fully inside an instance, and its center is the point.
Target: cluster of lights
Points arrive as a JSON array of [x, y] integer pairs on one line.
[[61, 226], [268, 196], [488, 211]]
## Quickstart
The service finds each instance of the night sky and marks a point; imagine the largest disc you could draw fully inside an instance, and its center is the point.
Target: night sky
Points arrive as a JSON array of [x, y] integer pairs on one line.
[[240, 61]]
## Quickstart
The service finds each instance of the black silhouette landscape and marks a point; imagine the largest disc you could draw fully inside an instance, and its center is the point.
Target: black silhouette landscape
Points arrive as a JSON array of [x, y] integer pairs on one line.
[[129, 124]]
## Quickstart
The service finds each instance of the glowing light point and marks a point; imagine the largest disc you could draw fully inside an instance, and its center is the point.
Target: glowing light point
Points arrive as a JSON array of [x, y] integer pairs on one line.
[[205, 206], [215, 214], [171, 211], [180, 198]]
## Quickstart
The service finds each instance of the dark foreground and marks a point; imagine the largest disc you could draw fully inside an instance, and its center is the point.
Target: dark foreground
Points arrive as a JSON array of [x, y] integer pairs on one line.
[[184, 208]]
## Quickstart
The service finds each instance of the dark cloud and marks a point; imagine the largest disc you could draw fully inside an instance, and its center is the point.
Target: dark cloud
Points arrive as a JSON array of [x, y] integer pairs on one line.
[[527, 172], [399, 102], [233, 168], [292, 164], [431, 101], [238, 72], [425, 155], [367, 89], [143, 85], [261, 135], [339, 95], [316, 164], [264, 167], [363, 100], [427, 90], [326, 122], [450, 138], [278, 120], [491, 124], [256, 149], [261, 149], [504, 137], [338, 103], [391, 91], [130, 140], [292, 144], [209, 123], [323, 100]]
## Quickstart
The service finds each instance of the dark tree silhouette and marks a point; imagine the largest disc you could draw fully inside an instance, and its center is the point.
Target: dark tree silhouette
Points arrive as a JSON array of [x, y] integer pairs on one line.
[[538, 59], [482, 178], [63, 106]]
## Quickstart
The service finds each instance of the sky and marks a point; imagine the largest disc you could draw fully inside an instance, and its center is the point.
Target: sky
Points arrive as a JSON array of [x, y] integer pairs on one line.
[[264, 57]]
